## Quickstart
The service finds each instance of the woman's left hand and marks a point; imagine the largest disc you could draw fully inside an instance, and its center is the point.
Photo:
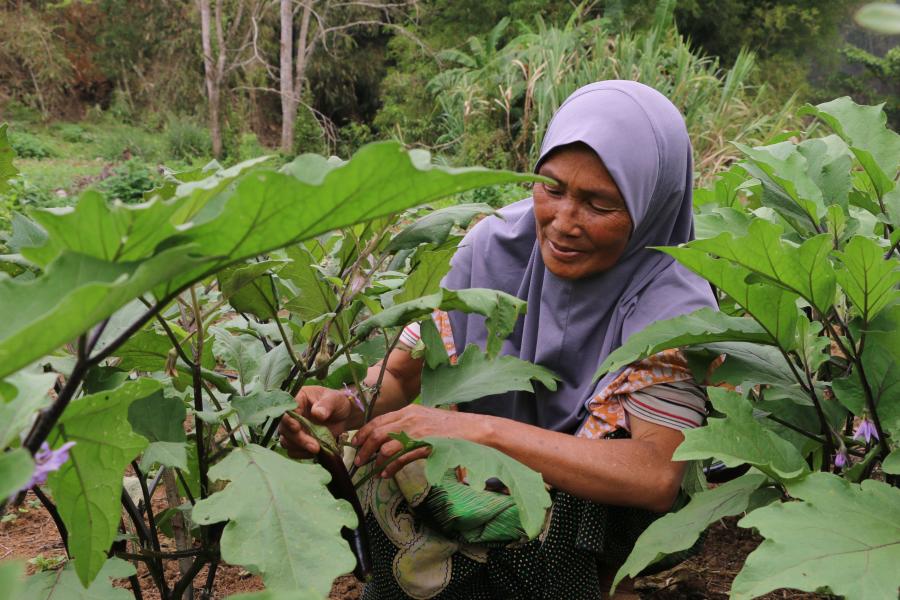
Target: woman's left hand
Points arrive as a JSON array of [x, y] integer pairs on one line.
[[417, 422]]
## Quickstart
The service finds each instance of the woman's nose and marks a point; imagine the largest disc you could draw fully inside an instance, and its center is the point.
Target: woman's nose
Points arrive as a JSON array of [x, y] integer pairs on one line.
[[565, 219]]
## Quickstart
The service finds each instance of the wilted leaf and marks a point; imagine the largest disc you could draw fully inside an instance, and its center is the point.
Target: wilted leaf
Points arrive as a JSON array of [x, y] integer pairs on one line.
[[87, 488], [285, 508], [739, 438], [475, 376], [679, 531], [842, 536], [482, 463]]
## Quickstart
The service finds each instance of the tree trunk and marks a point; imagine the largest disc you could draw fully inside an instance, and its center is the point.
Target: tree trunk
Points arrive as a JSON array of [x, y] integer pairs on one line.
[[210, 72], [286, 73]]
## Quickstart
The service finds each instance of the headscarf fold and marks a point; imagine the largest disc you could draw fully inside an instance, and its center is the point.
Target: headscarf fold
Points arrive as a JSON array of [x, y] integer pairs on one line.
[[572, 325]]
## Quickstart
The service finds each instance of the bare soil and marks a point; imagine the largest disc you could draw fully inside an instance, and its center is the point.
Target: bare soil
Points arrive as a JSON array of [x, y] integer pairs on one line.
[[705, 576]]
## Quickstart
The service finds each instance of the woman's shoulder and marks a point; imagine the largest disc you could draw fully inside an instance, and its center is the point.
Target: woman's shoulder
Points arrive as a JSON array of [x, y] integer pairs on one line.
[[510, 221]]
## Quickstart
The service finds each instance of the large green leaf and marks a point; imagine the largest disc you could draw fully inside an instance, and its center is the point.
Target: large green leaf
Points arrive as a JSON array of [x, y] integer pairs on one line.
[[881, 360], [426, 278], [476, 375], [774, 308], [867, 278], [149, 350], [249, 287], [7, 169], [784, 164], [285, 508], [113, 232], [841, 536], [864, 128], [270, 210], [16, 467], [435, 227], [261, 211], [803, 269], [21, 395], [257, 407], [482, 463], [160, 419], [500, 308], [679, 531], [739, 438], [242, 352], [11, 579], [87, 488], [63, 584], [699, 327], [76, 292], [314, 294]]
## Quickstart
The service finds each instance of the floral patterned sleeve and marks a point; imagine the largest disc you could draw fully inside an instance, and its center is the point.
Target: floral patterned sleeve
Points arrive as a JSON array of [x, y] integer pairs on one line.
[[659, 389]]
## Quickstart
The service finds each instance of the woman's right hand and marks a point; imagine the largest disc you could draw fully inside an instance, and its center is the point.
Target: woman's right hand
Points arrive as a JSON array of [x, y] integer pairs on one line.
[[321, 405]]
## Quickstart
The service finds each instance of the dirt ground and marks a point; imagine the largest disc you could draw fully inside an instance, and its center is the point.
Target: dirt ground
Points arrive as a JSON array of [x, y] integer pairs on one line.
[[706, 576]]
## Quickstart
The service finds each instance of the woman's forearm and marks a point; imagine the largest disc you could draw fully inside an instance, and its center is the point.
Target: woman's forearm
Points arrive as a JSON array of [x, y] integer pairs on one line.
[[627, 472]]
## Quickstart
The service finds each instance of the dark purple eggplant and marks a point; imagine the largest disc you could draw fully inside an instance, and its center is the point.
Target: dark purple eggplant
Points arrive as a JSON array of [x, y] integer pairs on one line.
[[341, 487]]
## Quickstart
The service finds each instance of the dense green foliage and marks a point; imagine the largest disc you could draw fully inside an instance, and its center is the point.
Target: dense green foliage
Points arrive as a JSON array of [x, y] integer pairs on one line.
[[194, 315], [801, 242]]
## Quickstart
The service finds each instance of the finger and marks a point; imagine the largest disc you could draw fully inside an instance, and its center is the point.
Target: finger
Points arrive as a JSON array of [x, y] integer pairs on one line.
[[366, 430], [377, 436], [386, 452], [391, 469], [297, 438]]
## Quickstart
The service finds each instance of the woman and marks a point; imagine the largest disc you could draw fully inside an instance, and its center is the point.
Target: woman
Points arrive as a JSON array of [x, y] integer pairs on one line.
[[579, 254]]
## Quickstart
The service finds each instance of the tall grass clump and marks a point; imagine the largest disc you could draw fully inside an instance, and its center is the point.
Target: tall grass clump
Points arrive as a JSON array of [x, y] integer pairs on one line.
[[508, 93]]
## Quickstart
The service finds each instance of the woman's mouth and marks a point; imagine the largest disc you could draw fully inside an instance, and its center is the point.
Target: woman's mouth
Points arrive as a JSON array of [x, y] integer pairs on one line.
[[563, 252]]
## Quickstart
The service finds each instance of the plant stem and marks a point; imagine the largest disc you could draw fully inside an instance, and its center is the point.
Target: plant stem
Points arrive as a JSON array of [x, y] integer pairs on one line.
[[184, 588], [154, 566], [198, 398], [151, 519], [206, 594], [54, 514]]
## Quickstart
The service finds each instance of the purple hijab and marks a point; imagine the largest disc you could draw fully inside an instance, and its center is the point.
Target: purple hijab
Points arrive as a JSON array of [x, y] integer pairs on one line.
[[572, 325]]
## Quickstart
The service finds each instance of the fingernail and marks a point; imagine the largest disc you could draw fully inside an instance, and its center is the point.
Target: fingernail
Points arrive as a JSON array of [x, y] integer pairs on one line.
[[357, 461], [383, 475]]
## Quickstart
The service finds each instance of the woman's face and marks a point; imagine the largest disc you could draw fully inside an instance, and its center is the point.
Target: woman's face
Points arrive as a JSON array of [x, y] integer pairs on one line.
[[583, 225]]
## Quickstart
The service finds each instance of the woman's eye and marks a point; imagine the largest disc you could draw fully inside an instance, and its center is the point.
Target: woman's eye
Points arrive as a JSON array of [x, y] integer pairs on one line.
[[553, 191]]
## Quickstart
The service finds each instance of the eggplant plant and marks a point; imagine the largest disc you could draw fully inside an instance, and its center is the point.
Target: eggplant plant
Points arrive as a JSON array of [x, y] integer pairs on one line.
[[800, 240], [147, 353]]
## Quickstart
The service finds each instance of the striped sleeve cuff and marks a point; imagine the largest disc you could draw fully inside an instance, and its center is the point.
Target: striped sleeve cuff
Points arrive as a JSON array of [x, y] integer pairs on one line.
[[678, 405]]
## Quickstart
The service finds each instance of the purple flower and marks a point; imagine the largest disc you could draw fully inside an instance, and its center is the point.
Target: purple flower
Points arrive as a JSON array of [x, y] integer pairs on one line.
[[866, 430], [840, 459], [354, 397], [46, 461]]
